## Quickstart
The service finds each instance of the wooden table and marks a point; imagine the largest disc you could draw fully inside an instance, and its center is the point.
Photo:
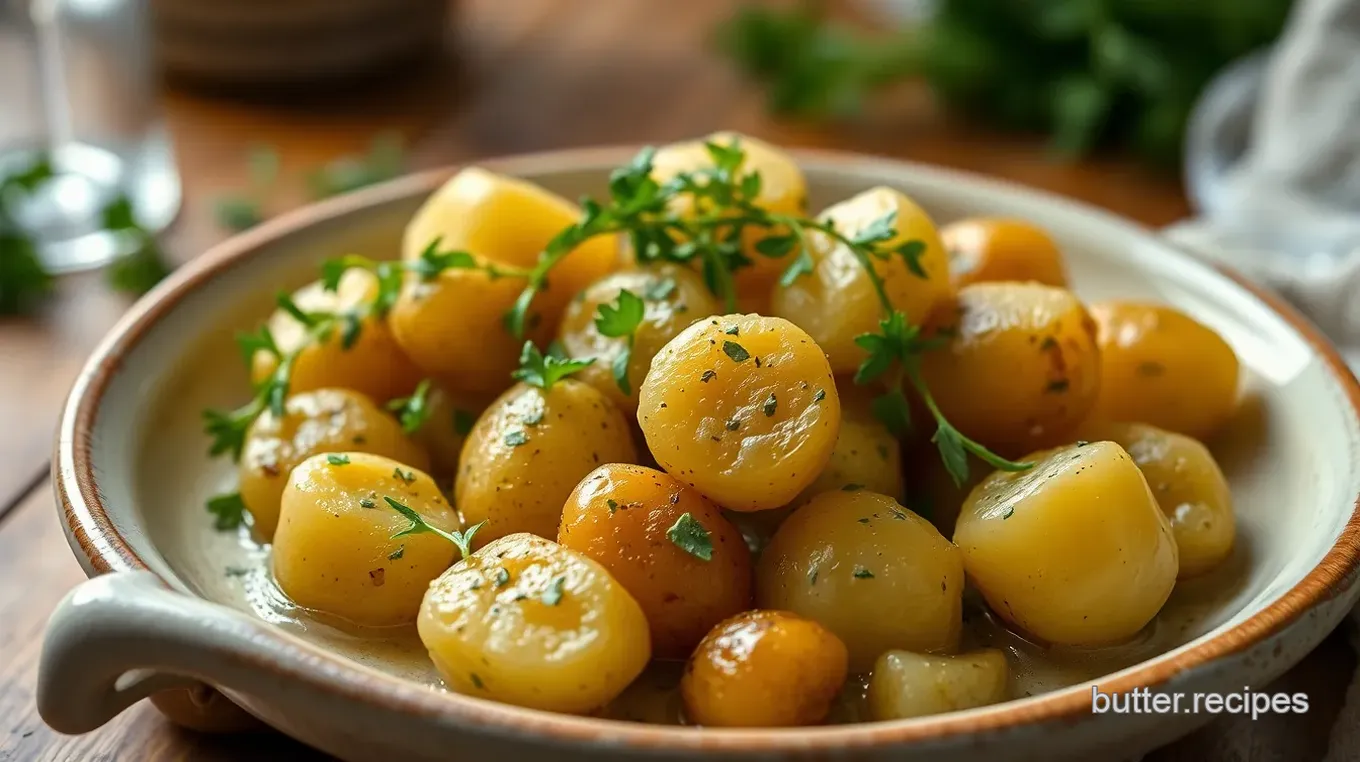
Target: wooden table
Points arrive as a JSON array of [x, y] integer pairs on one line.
[[527, 75]]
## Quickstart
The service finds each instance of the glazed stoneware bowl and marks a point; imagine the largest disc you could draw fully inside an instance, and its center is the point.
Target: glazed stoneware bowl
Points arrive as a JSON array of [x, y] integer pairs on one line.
[[174, 604]]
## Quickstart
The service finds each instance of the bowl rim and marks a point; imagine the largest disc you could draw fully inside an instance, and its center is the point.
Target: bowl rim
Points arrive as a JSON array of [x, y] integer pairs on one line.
[[92, 533]]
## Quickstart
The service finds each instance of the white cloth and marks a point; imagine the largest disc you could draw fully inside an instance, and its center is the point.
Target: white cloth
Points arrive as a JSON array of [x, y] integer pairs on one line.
[[1273, 165]]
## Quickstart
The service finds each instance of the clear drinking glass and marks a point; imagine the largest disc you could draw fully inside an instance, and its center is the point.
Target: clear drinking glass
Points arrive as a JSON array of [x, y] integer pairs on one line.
[[78, 89]]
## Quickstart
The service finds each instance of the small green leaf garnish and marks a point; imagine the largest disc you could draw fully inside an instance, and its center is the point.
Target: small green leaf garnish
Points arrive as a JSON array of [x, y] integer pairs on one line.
[[405, 476], [733, 424], [461, 540], [536, 369], [414, 410], [397, 554], [1010, 511], [553, 595], [819, 396], [708, 375], [502, 577], [863, 573], [365, 502], [735, 351], [732, 330], [335, 459], [228, 511], [659, 290], [516, 437], [690, 536], [770, 405], [620, 320], [613, 506]]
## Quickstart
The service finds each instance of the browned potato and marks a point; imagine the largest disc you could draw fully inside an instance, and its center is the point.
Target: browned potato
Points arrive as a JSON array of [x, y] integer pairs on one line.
[[324, 420], [1021, 369], [743, 408], [1160, 366], [983, 249], [764, 669], [686, 565]]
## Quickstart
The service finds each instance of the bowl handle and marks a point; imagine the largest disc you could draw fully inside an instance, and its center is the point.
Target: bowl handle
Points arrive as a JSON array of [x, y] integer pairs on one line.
[[119, 638]]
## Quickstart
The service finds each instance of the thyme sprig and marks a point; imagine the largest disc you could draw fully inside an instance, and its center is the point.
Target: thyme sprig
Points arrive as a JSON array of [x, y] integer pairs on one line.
[[461, 540]]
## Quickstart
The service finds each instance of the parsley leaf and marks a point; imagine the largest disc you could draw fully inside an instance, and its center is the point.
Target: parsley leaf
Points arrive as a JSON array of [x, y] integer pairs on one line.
[[461, 540], [691, 536], [556, 589], [541, 371], [228, 510], [621, 320], [413, 411]]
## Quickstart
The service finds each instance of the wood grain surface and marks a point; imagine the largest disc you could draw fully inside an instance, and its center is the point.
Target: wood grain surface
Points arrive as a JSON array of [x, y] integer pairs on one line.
[[523, 76]]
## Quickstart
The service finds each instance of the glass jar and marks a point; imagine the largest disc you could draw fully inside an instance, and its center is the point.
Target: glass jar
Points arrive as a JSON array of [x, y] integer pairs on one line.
[[78, 94]]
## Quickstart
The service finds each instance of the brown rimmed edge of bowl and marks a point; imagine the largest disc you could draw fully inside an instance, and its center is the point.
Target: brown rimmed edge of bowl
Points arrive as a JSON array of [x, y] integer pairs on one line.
[[93, 533]]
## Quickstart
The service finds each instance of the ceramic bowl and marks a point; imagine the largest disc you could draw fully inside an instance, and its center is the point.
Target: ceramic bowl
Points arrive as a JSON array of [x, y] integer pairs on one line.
[[170, 604]]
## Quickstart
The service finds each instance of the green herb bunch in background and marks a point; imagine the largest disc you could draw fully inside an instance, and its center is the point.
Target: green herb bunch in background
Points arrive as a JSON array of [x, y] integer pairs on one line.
[[1088, 73]]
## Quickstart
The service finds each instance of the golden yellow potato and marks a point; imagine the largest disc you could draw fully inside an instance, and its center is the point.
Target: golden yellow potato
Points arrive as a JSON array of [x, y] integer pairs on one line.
[[836, 302], [1160, 366], [374, 365], [1189, 487], [673, 297], [685, 564], [528, 622], [335, 552], [323, 420], [528, 452], [1021, 369], [743, 408], [452, 325], [764, 669], [983, 249], [866, 454], [782, 190], [451, 417], [840, 560], [1074, 550], [906, 684]]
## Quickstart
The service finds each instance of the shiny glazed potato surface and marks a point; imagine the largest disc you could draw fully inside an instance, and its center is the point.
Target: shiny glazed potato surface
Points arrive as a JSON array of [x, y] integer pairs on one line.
[[529, 622], [763, 669], [335, 552], [1075, 550], [671, 548], [989, 249], [906, 684], [841, 557], [1160, 366], [319, 421], [743, 408]]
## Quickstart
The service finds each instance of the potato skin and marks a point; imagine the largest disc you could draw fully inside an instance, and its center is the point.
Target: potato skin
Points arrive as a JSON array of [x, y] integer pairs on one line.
[[335, 554], [906, 684], [1189, 487], [764, 669], [319, 421], [528, 452], [743, 408], [620, 516], [1021, 370], [837, 302], [374, 366], [526, 621], [1160, 366], [452, 326], [989, 249], [685, 300], [1073, 551], [838, 558]]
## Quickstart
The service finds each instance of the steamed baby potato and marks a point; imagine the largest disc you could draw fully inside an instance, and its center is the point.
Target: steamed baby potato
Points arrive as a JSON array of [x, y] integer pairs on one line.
[[323, 420], [1021, 369], [839, 559], [764, 669], [673, 297], [1160, 366], [528, 452], [335, 552], [451, 418], [1074, 550], [866, 454], [528, 622], [685, 564], [836, 302], [374, 365], [743, 408], [984, 249], [906, 684], [782, 190], [452, 325], [1189, 487]]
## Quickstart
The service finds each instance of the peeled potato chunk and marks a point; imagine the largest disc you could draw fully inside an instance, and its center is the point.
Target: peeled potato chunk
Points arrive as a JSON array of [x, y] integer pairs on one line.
[[319, 421], [1074, 550], [374, 365], [988, 249], [683, 562], [743, 408], [906, 684], [764, 669], [1189, 487], [836, 302], [526, 621], [673, 297], [451, 324], [334, 551], [1162, 367], [842, 557]]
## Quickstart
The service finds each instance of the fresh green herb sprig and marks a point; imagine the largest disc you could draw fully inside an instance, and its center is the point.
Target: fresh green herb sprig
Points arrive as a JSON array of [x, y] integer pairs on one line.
[[461, 540], [143, 265], [24, 282], [542, 371], [228, 510], [413, 411], [620, 320]]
